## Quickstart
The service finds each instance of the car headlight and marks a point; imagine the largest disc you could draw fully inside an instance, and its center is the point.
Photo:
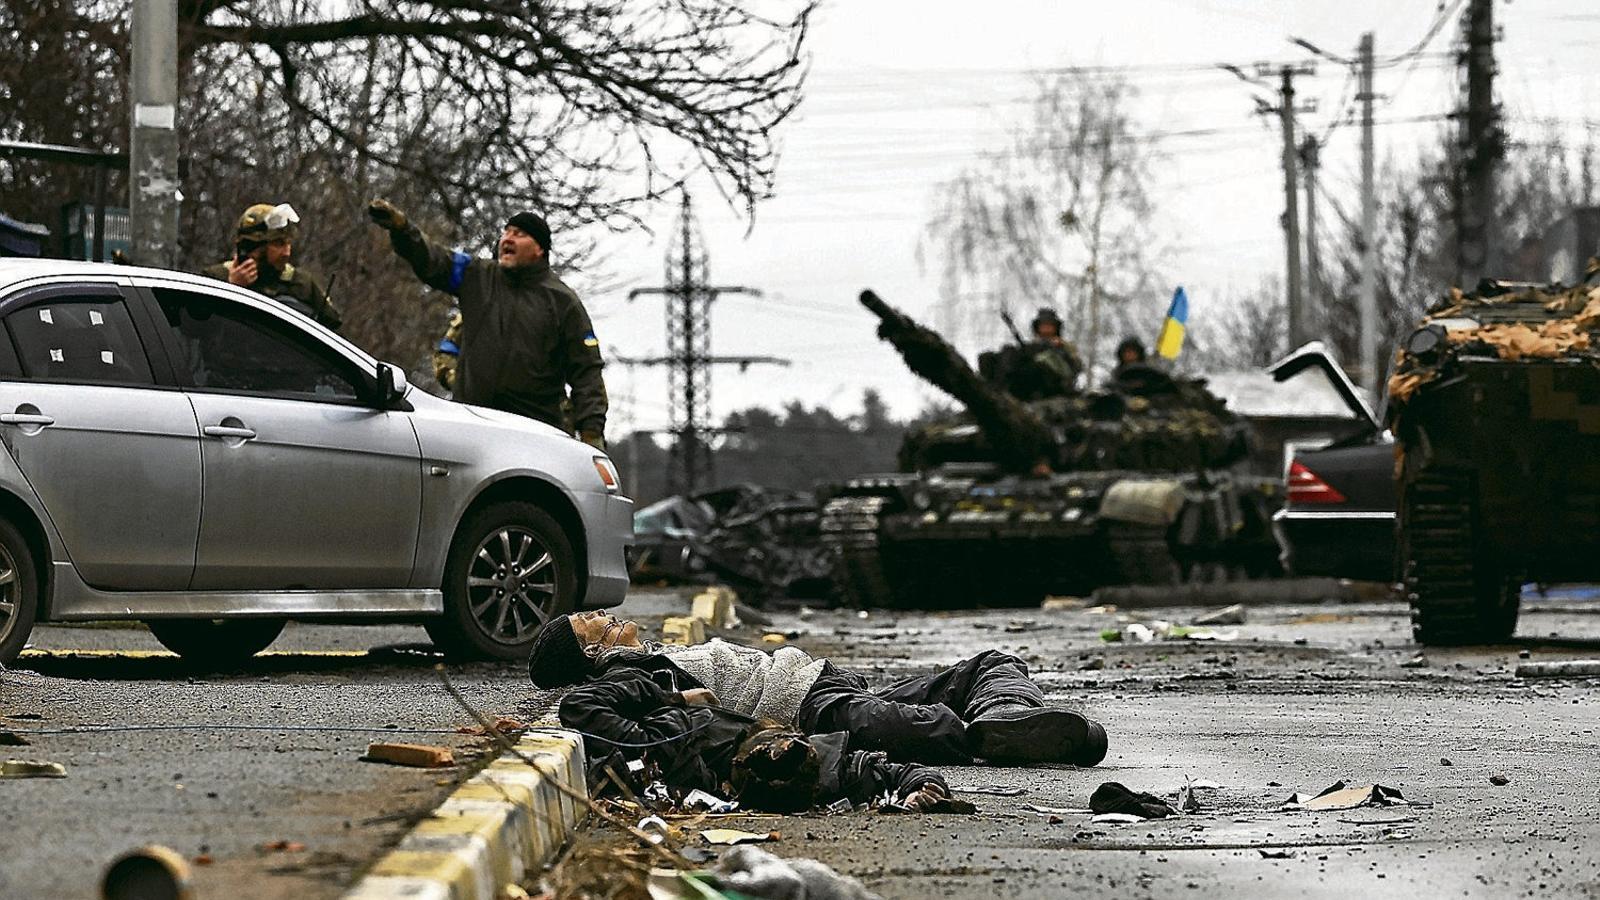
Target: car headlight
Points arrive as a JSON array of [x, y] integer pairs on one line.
[[608, 474]]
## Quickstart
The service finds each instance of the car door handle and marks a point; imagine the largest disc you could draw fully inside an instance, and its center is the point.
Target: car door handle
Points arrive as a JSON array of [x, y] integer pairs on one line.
[[229, 431], [26, 419]]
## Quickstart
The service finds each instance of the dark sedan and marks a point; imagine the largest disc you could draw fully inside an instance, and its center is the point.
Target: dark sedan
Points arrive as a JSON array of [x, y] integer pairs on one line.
[[1339, 516]]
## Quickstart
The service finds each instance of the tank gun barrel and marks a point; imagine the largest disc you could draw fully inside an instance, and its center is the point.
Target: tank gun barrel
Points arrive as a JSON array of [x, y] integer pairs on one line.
[[1020, 440]]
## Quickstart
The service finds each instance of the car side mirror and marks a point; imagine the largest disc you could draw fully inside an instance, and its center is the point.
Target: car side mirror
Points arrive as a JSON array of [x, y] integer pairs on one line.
[[391, 385]]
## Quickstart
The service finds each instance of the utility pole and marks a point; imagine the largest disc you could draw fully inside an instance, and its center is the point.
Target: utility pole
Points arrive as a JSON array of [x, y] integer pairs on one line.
[[1482, 149], [153, 148], [1286, 111], [1311, 313], [688, 360], [1368, 376]]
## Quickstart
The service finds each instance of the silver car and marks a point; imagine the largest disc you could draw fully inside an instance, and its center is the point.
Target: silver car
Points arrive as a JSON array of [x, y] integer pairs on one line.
[[191, 454]]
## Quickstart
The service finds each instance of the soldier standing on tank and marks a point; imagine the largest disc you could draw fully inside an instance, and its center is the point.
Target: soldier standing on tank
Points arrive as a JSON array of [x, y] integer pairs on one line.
[[525, 336], [263, 245], [1052, 352]]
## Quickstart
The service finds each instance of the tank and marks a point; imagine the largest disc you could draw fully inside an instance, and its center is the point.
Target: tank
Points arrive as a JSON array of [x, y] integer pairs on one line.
[[1139, 482], [1495, 407]]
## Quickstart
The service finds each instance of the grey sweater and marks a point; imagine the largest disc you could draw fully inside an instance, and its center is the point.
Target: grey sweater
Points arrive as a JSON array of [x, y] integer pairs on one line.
[[751, 681]]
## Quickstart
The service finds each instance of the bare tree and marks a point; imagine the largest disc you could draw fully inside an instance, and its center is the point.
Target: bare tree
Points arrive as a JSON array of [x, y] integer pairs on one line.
[[1059, 219], [461, 110]]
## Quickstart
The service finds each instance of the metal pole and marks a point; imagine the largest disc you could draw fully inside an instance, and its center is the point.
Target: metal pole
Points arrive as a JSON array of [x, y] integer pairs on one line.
[[1369, 375], [99, 213], [153, 156], [1291, 216], [1481, 150], [1311, 315]]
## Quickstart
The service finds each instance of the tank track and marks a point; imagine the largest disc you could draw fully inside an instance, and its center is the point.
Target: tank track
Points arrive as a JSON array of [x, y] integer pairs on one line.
[[850, 525], [1453, 601]]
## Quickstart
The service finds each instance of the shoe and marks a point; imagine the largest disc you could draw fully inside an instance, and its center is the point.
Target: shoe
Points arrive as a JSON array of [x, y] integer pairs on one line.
[[1037, 735]]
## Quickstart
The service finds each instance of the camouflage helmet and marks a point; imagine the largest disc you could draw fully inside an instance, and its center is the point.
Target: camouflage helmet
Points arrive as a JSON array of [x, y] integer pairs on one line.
[[264, 222]]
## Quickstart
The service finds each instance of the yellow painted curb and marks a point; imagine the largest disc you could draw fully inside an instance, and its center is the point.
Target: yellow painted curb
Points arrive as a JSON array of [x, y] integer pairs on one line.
[[503, 823]]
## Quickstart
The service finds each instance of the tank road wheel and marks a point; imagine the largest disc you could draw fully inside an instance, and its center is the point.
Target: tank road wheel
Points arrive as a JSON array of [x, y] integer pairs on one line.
[[216, 643], [1457, 596], [849, 525], [19, 592], [510, 569]]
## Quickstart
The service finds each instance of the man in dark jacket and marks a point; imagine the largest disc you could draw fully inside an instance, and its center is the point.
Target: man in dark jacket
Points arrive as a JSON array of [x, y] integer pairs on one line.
[[525, 336], [696, 745], [985, 707]]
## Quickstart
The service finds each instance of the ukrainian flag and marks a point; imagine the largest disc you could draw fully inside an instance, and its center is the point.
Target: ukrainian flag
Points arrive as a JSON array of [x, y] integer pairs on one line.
[[1170, 343]]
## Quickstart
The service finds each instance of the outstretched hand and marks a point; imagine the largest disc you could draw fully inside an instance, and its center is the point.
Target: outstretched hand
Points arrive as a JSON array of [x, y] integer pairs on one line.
[[386, 214]]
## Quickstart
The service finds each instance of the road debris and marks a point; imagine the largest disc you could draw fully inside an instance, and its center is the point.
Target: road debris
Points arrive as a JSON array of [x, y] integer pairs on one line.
[[698, 799], [715, 607], [1566, 668], [1140, 632], [31, 768], [1062, 603], [1340, 796], [1187, 801], [774, 638], [421, 756], [1113, 798], [1283, 853], [683, 631], [753, 872], [12, 739], [1499, 780], [992, 790], [152, 872], [1228, 615], [1416, 662], [281, 846], [731, 836]]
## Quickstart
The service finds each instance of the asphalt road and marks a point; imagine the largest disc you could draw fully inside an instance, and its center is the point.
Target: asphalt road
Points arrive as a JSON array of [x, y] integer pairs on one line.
[[1295, 700], [1259, 714]]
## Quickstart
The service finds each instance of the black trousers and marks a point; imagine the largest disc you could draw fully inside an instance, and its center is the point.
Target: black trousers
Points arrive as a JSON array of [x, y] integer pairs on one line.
[[920, 719]]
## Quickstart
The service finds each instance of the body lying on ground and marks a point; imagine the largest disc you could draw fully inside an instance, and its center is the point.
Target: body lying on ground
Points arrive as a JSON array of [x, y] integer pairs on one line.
[[982, 708]]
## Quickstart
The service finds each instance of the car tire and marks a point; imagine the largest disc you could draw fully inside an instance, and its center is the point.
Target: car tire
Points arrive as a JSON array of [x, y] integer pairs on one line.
[[19, 592], [216, 643], [491, 609]]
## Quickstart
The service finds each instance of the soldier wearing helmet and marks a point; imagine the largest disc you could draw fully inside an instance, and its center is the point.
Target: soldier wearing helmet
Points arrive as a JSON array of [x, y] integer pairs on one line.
[[263, 246]]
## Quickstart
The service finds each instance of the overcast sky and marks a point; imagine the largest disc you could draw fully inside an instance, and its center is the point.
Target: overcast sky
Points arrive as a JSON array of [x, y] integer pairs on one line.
[[903, 95]]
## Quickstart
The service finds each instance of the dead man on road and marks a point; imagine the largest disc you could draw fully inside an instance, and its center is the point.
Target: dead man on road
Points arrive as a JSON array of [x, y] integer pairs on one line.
[[525, 338], [982, 708]]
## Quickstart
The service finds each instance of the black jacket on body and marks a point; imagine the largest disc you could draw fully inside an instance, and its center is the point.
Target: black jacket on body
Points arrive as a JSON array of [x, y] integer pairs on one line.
[[695, 746], [525, 336]]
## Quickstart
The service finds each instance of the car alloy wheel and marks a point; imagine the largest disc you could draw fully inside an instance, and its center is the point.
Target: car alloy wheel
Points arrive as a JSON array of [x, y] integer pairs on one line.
[[19, 592], [11, 597], [511, 584]]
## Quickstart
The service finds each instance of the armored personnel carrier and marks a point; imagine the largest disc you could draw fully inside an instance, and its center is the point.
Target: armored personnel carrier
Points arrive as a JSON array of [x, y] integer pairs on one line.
[[1011, 500], [1495, 407]]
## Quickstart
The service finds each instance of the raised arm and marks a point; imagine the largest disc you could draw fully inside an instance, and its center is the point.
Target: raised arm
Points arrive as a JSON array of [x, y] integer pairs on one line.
[[437, 266]]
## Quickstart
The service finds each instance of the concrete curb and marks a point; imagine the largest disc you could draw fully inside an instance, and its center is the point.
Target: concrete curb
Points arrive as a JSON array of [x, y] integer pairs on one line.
[[505, 822]]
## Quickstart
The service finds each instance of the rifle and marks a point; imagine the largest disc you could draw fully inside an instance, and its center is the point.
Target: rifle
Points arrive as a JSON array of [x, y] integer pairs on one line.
[[1005, 316]]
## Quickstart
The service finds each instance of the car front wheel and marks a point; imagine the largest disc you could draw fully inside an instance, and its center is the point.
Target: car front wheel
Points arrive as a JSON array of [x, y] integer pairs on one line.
[[511, 568], [19, 592], [216, 643]]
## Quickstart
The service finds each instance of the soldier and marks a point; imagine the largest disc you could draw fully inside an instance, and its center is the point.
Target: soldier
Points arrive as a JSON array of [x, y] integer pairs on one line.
[[263, 245], [1056, 354], [448, 354], [525, 337]]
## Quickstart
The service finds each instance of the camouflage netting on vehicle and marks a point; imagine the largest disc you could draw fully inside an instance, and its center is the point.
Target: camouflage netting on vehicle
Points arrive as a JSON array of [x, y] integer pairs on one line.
[[1504, 320]]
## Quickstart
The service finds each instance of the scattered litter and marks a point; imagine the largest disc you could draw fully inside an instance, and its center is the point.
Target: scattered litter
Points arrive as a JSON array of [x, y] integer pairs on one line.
[[697, 855], [839, 806], [1567, 668], [12, 739], [1063, 603], [715, 607], [1112, 797], [513, 892], [731, 836], [148, 872], [655, 828], [753, 872], [1093, 664], [863, 614], [421, 756], [1140, 633], [282, 847], [1524, 653], [683, 630], [1416, 662], [655, 792], [994, 790], [502, 724], [31, 768], [1187, 801], [1117, 819], [1018, 626], [698, 799], [1445, 761], [1387, 820], [1228, 615], [772, 637], [1499, 780], [1284, 853], [1340, 796]]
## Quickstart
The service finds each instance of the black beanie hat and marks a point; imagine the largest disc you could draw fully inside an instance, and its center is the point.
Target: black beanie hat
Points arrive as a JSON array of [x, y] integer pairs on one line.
[[535, 226], [557, 659]]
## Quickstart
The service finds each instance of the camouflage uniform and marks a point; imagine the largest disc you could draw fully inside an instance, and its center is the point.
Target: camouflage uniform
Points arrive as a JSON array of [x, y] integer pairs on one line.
[[296, 288], [448, 353]]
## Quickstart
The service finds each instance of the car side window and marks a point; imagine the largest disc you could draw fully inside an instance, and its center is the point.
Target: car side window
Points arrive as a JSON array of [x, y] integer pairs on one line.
[[229, 347], [89, 339]]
